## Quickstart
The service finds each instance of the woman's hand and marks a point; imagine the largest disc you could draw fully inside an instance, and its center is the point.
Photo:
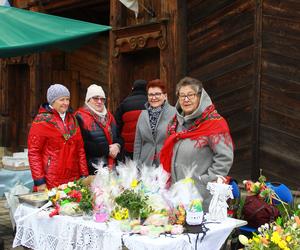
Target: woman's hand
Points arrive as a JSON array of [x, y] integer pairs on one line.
[[114, 149], [41, 188]]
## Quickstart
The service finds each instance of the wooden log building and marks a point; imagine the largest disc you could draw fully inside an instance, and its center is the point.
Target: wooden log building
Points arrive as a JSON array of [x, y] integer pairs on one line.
[[246, 52]]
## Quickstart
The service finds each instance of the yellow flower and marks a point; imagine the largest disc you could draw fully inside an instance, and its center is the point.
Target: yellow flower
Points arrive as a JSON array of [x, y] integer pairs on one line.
[[118, 216], [126, 213], [288, 238], [275, 237], [267, 237], [57, 196], [244, 240], [256, 239], [282, 244], [134, 183]]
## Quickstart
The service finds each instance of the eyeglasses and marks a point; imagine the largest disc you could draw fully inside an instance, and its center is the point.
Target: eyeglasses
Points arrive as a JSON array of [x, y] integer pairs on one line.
[[97, 99], [156, 95], [190, 96]]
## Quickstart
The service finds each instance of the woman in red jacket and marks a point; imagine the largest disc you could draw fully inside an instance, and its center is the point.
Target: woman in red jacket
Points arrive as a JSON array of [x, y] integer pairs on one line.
[[55, 146]]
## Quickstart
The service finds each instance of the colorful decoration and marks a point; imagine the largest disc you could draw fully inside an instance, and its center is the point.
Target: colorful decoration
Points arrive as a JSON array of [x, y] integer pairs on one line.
[[262, 190], [194, 215], [275, 236], [72, 198], [136, 198]]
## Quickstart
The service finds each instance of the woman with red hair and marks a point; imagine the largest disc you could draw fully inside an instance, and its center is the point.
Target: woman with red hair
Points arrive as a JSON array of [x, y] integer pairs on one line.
[[152, 125]]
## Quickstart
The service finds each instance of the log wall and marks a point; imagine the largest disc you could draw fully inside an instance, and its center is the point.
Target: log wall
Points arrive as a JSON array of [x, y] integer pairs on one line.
[[280, 91], [220, 53], [247, 53], [76, 70]]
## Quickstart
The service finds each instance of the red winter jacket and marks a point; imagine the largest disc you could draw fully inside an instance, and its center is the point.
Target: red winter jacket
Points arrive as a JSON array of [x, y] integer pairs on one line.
[[55, 151], [128, 114], [130, 119]]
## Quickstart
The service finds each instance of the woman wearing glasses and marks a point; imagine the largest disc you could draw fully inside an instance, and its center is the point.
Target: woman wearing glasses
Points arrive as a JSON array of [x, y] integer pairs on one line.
[[102, 142], [199, 139], [152, 125]]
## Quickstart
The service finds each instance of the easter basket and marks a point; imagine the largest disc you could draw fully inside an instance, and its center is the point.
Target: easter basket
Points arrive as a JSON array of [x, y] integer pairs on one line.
[[194, 218]]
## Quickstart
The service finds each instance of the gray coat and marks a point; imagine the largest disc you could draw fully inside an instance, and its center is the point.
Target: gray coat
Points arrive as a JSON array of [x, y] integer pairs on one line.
[[208, 163], [147, 147]]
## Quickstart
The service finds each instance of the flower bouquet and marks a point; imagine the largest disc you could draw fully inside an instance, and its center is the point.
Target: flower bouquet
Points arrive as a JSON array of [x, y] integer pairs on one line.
[[264, 190], [135, 201], [129, 192], [72, 199], [275, 236], [259, 207]]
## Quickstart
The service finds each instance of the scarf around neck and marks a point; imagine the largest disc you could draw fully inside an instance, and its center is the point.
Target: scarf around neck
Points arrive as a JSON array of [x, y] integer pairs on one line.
[[101, 114], [104, 119], [154, 114], [208, 124]]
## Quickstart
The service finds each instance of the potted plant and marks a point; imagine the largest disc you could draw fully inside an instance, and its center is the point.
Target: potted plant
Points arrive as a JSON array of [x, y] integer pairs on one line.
[[135, 202]]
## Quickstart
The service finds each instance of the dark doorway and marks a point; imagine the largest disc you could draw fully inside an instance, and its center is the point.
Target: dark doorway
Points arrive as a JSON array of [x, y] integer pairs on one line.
[[144, 64], [19, 105]]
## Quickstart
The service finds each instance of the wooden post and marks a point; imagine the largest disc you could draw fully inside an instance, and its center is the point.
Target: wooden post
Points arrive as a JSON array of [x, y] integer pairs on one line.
[[257, 91], [4, 104], [114, 67], [173, 58], [4, 88]]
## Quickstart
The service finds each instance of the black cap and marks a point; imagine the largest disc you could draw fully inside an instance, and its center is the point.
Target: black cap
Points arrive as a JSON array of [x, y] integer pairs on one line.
[[139, 85]]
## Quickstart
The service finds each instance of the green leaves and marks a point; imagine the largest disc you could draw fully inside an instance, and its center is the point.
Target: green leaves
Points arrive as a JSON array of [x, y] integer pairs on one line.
[[135, 202], [86, 202], [279, 221]]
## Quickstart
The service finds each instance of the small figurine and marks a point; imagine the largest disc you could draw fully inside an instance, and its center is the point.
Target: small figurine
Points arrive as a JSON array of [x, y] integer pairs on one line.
[[218, 205]]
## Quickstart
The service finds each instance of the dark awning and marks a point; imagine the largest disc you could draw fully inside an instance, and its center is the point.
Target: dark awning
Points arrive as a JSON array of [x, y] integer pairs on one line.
[[24, 32]]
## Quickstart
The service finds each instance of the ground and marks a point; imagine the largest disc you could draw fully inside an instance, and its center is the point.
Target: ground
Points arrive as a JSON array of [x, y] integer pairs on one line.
[[6, 231]]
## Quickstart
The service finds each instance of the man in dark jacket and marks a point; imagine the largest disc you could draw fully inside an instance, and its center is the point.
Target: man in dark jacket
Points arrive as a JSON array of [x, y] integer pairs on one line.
[[128, 114]]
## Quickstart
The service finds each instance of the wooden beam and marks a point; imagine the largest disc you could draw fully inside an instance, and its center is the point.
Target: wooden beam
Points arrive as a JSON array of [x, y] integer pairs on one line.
[[173, 58], [54, 6], [114, 67], [34, 82], [257, 91]]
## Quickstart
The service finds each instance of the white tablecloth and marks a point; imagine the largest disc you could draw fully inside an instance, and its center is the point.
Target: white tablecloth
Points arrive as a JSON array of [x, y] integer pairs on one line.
[[213, 240], [63, 232]]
